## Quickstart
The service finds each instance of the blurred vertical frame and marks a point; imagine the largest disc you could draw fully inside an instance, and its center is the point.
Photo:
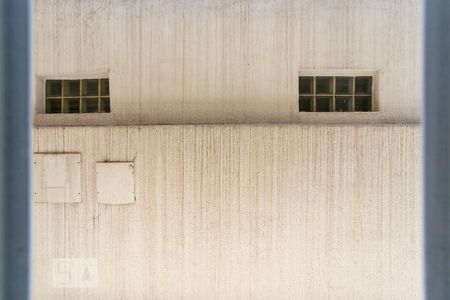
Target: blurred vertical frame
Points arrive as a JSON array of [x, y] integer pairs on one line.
[[15, 153], [436, 145]]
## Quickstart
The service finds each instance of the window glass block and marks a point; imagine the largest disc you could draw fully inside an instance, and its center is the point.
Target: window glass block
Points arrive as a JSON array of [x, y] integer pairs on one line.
[[115, 183], [71, 88], [57, 178], [53, 106], [343, 104], [363, 103], [53, 88], [72, 105], [104, 105], [363, 85], [90, 87], [305, 85], [305, 104], [89, 105], [344, 85], [104, 87], [324, 104], [324, 85]]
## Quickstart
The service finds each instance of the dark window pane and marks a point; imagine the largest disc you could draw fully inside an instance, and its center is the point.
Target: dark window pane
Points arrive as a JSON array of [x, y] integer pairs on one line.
[[90, 87], [305, 104], [344, 85], [343, 104], [324, 85], [323, 103], [363, 85], [53, 88], [104, 87], [71, 106], [363, 103], [71, 87], [104, 105], [305, 85], [90, 105], [53, 106]]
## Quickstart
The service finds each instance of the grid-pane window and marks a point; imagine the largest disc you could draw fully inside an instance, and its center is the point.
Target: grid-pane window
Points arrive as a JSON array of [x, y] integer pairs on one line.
[[77, 96], [335, 93]]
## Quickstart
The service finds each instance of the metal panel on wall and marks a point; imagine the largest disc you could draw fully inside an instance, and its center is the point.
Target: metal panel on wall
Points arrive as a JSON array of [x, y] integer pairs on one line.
[[115, 182], [56, 177]]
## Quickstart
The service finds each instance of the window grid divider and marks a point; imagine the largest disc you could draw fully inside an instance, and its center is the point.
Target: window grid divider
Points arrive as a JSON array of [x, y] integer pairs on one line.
[[98, 91], [353, 93], [62, 96], [333, 98], [80, 108], [314, 94]]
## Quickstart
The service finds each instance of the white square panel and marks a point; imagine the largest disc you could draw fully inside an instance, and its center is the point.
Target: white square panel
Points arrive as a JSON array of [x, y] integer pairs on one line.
[[115, 183], [57, 177]]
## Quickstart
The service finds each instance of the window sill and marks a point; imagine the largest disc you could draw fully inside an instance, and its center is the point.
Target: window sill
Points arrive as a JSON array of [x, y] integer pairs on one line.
[[78, 119], [299, 118]]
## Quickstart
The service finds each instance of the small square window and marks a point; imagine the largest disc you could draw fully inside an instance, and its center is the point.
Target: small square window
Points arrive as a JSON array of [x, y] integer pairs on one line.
[[305, 104], [90, 87], [324, 85], [89, 105], [363, 103], [104, 105], [53, 106], [344, 85], [71, 88], [343, 104], [363, 85], [324, 104], [53, 88], [71, 105], [104, 87], [305, 85]]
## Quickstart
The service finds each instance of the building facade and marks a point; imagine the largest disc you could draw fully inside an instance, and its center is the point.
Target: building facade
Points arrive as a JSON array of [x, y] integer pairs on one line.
[[235, 193]]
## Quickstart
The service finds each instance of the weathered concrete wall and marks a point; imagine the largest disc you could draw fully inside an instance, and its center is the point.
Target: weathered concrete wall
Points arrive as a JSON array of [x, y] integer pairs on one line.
[[218, 61], [242, 212], [285, 211]]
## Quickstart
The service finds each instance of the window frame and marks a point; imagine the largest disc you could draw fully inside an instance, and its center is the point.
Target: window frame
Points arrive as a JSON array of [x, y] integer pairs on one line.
[[39, 105], [374, 107], [80, 97]]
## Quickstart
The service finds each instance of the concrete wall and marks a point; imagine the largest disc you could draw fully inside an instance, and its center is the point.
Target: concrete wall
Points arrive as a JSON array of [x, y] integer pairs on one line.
[[217, 61], [235, 211], [240, 212]]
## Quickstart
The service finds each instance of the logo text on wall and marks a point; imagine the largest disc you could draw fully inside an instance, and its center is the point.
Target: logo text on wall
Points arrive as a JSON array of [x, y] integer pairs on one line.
[[74, 273]]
